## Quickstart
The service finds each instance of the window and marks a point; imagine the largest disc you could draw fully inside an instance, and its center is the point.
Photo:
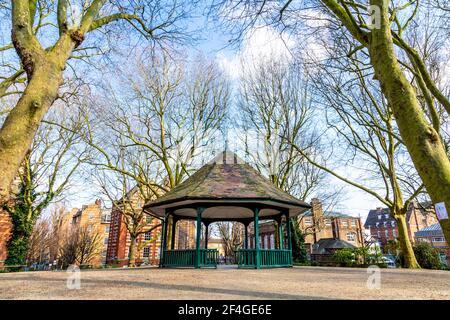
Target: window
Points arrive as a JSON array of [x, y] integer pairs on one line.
[[89, 228], [384, 223], [106, 218], [146, 252], [386, 233], [353, 223], [392, 223], [308, 221], [147, 236], [378, 234], [394, 233], [104, 253], [351, 236], [438, 239], [377, 224], [105, 241], [91, 216], [266, 242], [386, 216], [107, 229], [345, 223], [327, 222], [379, 217]]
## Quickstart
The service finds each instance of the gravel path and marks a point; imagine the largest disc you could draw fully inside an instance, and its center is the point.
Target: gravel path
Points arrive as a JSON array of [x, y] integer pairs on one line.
[[292, 283]]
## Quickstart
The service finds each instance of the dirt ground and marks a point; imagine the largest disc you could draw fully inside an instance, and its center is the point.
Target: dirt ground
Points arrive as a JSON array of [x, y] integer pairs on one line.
[[226, 283]]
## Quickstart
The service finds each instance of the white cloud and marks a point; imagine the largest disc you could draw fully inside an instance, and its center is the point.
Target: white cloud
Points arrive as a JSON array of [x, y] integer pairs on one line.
[[259, 45]]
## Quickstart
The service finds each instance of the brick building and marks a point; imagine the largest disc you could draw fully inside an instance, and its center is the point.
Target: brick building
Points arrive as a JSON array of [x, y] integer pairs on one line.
[[147, 244], [5, 233], [119, 242], [317, 225], [384, 228], [96, 219], [434, 235], [6, 225], [147, 251]]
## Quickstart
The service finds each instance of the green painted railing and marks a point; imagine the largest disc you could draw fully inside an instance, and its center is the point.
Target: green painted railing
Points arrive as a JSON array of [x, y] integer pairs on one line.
[[246, 258], [187, 258], [209, 257]]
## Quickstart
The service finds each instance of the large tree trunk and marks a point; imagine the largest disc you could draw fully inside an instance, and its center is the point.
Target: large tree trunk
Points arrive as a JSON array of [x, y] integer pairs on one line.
[[131, 252], [405, 243], [19, 128], [422, 141]]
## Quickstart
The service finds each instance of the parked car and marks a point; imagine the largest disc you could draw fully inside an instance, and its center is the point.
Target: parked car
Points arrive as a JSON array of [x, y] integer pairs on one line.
[[388, 261]]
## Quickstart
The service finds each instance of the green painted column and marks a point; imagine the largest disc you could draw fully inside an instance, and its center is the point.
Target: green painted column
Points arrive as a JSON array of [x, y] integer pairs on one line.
[[199, 234], [257, 258], [289, 240], [246, 236], [280, 234], [174, 225], [162, 241], [206, 235]]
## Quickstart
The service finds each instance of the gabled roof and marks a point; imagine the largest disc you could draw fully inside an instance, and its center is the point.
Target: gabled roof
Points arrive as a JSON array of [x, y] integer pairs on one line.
[[227, 179], [372, 217], [432, 230], [332, 214], [324, 245]]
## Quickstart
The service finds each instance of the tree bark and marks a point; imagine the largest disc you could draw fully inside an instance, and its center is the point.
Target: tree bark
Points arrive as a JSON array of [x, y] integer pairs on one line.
[[422, 141], [131, 252], [405, 243], [21, 124]]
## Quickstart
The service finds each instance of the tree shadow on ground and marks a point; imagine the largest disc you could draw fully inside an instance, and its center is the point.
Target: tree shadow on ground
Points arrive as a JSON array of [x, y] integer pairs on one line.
[[209, 291]]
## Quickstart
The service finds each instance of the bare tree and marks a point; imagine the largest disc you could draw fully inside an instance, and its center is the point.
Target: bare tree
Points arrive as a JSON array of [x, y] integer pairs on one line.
[[45, 174], [368, 139], [47, 35], [164, 116], [82, 246], [276, 108], [232, 235], [378, 32], [39, 242]]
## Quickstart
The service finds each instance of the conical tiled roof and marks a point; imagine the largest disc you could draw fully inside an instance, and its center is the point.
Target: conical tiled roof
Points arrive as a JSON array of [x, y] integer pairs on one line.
[[226, 179]]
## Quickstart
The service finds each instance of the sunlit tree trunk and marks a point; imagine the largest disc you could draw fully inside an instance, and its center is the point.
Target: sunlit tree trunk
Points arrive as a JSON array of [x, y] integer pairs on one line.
[[405, 243], [132, 252], [422, 141]]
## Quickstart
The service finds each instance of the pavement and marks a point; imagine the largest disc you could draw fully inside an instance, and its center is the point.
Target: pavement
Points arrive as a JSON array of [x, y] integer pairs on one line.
[[228, 283]]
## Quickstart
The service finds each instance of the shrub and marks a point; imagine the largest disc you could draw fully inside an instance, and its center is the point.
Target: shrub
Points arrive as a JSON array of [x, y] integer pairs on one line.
[[299, 252], [427, 256], [344, 257]]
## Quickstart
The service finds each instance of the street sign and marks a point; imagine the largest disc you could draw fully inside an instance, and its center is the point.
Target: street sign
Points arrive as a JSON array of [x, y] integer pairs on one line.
[[441, 211]]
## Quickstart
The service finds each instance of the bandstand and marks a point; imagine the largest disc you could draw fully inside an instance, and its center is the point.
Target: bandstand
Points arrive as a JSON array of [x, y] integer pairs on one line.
[[226, 189]]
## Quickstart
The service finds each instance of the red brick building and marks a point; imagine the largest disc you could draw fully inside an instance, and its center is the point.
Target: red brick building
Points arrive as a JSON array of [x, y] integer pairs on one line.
[[318, 224], [119, 242], [384, 228], [5, 233], [147, 244]]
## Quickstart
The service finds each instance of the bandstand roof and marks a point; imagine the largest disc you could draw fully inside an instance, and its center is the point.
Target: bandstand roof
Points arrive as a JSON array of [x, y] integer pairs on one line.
[[228, 188]]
